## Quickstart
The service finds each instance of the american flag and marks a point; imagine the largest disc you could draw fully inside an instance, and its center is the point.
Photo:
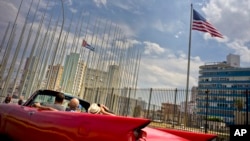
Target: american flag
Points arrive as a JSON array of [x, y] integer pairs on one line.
[[85, 44], [201, 24]]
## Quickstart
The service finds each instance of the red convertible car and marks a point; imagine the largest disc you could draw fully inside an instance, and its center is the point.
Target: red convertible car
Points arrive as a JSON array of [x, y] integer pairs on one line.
[[25, 123]]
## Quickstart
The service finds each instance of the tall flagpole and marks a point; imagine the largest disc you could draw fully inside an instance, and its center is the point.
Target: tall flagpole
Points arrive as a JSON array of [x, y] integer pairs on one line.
[[188, 66]]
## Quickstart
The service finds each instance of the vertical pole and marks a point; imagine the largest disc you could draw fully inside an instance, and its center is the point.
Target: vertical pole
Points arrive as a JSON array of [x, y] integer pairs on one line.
[[57, 44], [149, 101], [188, 66], [112, 98], [97, 95], [247, 107], [84, 94], [175, 97], [4, 37], [128, 100], [8, 47], [206, 126]]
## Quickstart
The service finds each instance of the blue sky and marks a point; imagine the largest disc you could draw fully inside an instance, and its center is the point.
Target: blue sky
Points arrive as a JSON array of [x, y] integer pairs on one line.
[[161, 29]]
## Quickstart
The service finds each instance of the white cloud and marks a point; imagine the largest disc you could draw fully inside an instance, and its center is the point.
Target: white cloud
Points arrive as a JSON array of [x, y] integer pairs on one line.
[[100, 2], [160, 67], [73, 10], [152, 48], [127, 30], [169, 71], [241, 50], [69, 2], [231, 17], [134, 42], [122, 5], [10, 13], [164, 27]]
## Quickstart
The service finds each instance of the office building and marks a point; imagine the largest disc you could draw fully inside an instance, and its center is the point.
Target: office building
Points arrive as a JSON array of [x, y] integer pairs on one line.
[[53, 77], [222, 90], [73, 74]]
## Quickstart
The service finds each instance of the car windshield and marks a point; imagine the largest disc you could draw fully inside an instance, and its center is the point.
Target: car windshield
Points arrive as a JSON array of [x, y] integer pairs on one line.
[[49, 99]]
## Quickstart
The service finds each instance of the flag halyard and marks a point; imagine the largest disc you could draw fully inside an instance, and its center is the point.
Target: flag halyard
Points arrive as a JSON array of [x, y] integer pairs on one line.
[[199, 23]]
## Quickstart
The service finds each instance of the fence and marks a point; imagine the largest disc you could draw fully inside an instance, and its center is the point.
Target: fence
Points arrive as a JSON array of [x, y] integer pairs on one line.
[[202, 110], [208, 111]]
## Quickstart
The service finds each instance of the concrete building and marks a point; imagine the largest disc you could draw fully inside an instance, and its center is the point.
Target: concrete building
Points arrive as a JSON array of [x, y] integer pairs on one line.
[[73, 74], [100, 83], [53, 77], [170, 112], [226, 84], [26, 76], [233, 60], [194, 93]]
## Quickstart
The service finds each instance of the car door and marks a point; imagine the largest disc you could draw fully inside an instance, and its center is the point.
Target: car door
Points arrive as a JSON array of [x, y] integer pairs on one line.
[[53, 125], [16, 123]]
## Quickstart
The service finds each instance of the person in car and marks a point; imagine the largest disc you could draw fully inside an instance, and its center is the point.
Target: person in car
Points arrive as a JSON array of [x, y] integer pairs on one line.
[[73, 105], [20, 102], [56, 106], [7, 99], [99, 109]]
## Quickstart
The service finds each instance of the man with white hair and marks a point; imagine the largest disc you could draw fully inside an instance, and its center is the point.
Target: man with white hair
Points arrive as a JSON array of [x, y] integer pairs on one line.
[[73, 105]]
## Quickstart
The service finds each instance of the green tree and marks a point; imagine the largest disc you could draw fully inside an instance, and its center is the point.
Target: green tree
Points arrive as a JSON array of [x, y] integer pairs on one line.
[[238, 104]]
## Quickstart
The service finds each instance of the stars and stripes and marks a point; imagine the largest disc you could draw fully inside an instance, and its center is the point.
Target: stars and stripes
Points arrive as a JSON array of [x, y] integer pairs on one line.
[[201, 24], [88, 46]]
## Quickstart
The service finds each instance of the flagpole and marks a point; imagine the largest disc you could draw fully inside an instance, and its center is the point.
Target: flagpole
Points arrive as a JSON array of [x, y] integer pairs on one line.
[[8, 49], [188, 66]]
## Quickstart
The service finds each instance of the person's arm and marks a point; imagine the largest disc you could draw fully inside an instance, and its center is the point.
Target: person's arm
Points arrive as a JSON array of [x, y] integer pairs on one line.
[[105, 110], [39, 106]]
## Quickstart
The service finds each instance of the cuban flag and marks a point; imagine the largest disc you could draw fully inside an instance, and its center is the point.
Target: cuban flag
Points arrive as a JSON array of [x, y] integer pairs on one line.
[[201, 24], [88, 46]]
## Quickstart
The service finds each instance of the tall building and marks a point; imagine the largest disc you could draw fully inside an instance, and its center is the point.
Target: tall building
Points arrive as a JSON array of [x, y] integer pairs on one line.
[[194, 92], [79, 79], [226, 85], [96, 80], [26, 76], [113, 76], [54, 76], [73, 74]]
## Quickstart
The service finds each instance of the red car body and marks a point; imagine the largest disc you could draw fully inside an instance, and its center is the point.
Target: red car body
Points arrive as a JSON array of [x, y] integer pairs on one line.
[[22, 123]]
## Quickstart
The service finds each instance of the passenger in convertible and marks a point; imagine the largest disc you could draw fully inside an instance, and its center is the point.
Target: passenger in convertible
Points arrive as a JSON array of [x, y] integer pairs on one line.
[[56, 106], [99, 109], [7, 99], [74, 105]]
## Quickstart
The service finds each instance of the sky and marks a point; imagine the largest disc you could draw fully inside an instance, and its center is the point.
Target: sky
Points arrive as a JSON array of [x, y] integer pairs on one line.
[[160, 28]]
